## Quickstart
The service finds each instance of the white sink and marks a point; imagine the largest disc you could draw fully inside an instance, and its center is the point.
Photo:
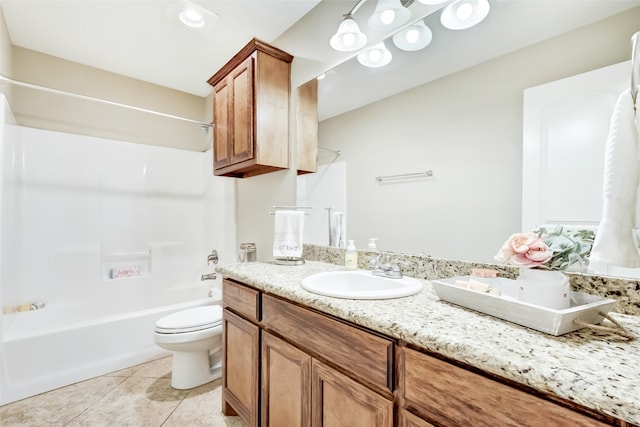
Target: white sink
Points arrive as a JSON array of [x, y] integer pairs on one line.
[[360, 284]]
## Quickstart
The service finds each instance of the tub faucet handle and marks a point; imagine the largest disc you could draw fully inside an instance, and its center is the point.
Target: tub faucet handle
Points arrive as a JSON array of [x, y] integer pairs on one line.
[[213, 257]]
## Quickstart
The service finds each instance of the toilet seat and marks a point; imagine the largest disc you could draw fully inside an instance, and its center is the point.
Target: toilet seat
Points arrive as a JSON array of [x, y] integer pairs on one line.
[[190, 320]]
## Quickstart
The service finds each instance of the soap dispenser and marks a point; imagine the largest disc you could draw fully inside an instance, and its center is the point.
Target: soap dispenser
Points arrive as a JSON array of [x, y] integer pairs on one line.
[[351, 256], [372, 244], [375, 259]]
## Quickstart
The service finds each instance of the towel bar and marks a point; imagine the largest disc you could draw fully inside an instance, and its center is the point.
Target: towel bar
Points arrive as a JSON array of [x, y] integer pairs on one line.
[[428, 173]]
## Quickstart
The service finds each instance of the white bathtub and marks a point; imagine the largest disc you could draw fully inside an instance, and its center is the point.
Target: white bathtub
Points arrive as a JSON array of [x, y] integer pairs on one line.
[[71, 341]]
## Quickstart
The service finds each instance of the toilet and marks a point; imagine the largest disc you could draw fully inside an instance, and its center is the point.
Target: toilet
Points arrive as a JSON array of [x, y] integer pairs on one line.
[[194, 336]]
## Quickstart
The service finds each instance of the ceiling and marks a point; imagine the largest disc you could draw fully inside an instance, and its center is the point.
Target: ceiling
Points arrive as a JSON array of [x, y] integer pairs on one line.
[[142, 40]]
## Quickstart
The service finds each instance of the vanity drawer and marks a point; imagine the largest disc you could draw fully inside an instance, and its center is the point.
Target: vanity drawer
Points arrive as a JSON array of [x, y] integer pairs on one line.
[[241, 299], [361, 353], [452, 396]]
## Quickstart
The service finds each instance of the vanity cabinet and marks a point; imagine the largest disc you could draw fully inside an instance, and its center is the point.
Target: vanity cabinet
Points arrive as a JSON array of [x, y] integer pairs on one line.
[[289, 365], [251, 112]]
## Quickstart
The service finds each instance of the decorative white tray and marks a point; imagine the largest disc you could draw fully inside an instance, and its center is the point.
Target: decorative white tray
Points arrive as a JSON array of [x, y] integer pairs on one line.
[[584, 307]]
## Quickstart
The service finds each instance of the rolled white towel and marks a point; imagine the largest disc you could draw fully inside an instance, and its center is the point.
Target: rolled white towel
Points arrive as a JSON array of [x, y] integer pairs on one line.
[[614, 243]]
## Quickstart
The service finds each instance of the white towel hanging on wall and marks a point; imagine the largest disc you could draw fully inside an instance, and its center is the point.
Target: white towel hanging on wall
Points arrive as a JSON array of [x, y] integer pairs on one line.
[[287, 238]]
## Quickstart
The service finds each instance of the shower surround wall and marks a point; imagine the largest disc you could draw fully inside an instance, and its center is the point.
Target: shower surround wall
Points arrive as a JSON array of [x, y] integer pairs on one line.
[[74, 208], [89, 205]]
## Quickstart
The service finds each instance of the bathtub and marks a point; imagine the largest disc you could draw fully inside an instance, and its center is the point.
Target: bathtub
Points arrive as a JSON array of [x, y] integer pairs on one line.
[[71, 340]]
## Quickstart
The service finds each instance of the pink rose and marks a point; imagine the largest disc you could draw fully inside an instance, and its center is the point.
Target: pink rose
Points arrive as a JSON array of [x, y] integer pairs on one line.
[[524, 250]]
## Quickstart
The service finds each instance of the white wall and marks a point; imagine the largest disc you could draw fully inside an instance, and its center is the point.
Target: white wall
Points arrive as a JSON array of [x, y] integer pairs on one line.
[[89, 204], [38, 109], [467, 128]]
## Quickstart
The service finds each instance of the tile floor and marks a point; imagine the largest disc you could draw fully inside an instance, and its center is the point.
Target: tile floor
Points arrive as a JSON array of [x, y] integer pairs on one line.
[[139, 396]]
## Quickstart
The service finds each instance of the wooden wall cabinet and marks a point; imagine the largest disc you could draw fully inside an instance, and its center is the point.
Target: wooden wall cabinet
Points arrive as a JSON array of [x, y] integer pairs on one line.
[[307, 127], [251, 112]]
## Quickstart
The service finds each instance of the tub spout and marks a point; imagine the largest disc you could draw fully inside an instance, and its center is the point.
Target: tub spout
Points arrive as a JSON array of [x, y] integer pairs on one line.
[[210, 276]]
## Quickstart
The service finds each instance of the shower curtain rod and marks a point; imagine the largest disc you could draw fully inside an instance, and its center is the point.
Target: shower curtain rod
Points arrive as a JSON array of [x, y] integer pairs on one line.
[[205, 126]]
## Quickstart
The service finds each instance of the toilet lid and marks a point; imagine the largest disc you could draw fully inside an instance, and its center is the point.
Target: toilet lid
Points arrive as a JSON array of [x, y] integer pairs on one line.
[[192, 319]]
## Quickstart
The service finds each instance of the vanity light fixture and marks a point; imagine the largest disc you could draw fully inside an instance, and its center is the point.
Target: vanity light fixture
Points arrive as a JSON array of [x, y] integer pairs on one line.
[[388, 14], [463, 14], [348, 37], [415, 37], [377, 56]]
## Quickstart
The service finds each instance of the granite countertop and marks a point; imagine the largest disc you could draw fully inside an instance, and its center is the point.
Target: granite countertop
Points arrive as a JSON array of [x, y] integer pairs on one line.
[[596, 370]]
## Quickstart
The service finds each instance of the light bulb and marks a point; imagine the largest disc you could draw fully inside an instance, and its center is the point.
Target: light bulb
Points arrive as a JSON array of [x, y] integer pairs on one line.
[[463, 14], [348, 39], [387, 16], [375, 55], [412, 35], [464, 11]]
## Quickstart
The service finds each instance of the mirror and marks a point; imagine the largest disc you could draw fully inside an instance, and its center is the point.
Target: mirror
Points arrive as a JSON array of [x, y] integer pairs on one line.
[[463, 123]]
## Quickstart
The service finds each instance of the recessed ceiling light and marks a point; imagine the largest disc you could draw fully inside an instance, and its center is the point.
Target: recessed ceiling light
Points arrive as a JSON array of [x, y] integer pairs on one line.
[[191, 18], [191, 15]]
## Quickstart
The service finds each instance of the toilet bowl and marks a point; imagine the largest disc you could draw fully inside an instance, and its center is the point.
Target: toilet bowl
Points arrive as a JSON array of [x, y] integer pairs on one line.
[[195, 338]]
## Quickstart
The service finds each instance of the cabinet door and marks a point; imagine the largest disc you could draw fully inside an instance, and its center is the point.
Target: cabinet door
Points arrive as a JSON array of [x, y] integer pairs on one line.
[[407, 419], [240, 370], [339, 401], [286, 384], [222, 132], [242, 111]]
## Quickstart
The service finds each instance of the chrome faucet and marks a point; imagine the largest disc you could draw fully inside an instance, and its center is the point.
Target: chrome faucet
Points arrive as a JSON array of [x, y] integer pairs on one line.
[[211, 258], [210, 276], [384, 266]]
